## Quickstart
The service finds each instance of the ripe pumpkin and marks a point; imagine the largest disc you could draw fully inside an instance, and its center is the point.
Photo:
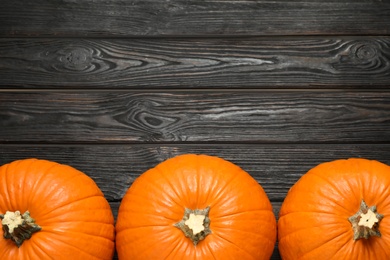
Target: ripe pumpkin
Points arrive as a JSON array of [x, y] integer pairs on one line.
[[338, 210], [53, 211], [195, 207]]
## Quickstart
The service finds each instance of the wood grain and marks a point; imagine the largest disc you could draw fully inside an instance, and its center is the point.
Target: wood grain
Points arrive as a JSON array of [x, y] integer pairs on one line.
[[114, 87], [191, 17], [295, 62], [275, 166], [206, 116]]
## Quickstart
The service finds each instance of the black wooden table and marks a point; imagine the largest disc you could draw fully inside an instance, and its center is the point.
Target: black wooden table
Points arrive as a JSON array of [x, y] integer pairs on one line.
[[115, 87]]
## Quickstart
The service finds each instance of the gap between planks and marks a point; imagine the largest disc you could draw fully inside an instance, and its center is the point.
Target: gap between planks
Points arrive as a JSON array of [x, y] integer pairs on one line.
[[191, 90]]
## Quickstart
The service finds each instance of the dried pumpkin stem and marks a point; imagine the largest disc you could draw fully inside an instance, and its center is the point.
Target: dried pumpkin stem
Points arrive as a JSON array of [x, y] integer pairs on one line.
[[18, 227], [195, 224], [365, 222]]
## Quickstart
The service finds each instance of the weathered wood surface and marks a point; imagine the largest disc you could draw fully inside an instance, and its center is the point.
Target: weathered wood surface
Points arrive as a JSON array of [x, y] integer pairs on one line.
[[213, 116], [192, 17], [115, 87], [275, 62], [114, 167]]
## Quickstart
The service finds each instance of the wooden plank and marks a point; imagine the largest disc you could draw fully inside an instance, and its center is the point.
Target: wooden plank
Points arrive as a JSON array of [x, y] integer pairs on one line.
[[295, 62], [192, 17], [197, 116], [275, 166]]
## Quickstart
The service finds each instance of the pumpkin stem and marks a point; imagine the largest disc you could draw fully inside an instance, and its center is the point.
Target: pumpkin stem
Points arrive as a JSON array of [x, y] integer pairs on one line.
[[18, 227], [365, 222], [195, 224]]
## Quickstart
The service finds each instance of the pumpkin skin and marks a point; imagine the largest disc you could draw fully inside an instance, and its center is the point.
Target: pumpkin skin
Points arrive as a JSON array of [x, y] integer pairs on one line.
[[313, 221], [76, 220], [242, 222]]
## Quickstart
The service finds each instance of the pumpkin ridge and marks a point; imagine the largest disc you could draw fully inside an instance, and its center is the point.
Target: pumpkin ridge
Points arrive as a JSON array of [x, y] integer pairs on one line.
[[141, 195], [230, 242], [60, 238], [42, 175], [303, 229], [178, 246], [75, 174], [335, 201], [70, 210], [198, 188], [174, 247], [94, 239], [351, 189], [162, 173], [347, 241], [239, 213], [314, 212], [37, 246], [323, 243], [6, 193], [141, 239], [75, 221], [80, 249], [237, 195], [179, 194], [38, 181], [154, 215], [4, 253], [211, 251], [219, 195], [220, 162], [244, 231], [222, 227], [27, 164], [73, 201], [146, 226], [76, 233], [347, 162], [161, 228], [381, 196], [9, 173], [383, 249]]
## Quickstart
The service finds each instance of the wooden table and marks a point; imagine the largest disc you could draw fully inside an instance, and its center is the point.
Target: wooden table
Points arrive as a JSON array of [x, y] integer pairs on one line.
[[115, 87]]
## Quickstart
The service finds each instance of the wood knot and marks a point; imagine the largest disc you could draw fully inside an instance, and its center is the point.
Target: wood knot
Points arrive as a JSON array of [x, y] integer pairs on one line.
[[77, 59], [365, 52], [361, 56]]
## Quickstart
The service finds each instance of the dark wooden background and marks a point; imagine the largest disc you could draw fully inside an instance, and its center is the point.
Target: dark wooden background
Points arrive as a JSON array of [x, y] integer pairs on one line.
[[113, 87]]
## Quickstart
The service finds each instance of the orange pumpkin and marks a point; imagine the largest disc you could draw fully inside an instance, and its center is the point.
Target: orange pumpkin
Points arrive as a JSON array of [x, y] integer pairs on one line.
[[195, 207], [53, 211], [338, 210]]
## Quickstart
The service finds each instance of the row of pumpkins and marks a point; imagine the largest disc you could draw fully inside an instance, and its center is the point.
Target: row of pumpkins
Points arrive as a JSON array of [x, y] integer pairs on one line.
[[195, 207]]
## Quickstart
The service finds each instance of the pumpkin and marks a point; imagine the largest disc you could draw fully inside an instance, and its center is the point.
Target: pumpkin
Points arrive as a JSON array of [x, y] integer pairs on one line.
[[338, 210], [195, 207], [53, 211]]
